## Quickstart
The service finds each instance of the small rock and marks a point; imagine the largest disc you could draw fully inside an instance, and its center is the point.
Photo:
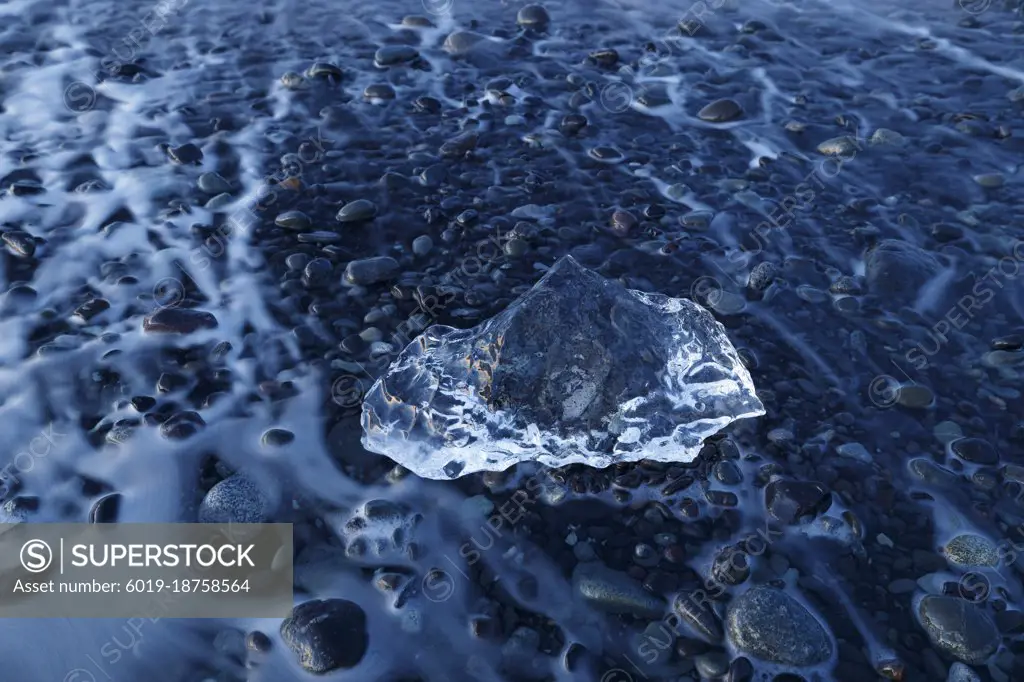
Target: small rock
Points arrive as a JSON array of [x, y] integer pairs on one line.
[[971, 550], [277, 437], [959, 628], [975, 450], [293, 220], [371, 270], [91, 309], [178, 321], [461, 42], [791, 501], [990, 180], [762, 276], [720, 111], [886, 137], [236, 499], [915, 396], [186, 154], [390, 55], [855, 451], [422, 245], [533, 16], [358, 211], [325, 71], [326, 634], [20, 243], [213, 183], [896, 270], [839, 146], [381, 91], [769, 624], [958, 672], [615, 592]]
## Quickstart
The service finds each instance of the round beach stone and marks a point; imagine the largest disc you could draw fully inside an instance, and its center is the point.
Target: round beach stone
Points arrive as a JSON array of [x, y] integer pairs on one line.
[[720, 111], [769, 624], [533, 16], [326, 635], [971, 550], [371, 270], [358, 211], [235, 500], [975, 450], [959, 628]]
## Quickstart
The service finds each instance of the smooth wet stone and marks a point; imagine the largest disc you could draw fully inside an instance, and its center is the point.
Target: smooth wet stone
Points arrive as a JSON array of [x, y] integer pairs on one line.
[[533, 16], [959, 628], [886, 137], [990, 180], [277, 437], [105, 509], [213, 183], [721, 111], [317, 273], [623, 222], [186, 154], [1002, 358], [855, 451], [91, 309], [358, 211], [422, 245], [694, 609], [182, 425], [20, 243], [615, 592], [975, 450], [768, 624], [390, 55], [293, 220], [415, 21], [896, 270], [178, 321], [839, 146], [1013, 342], [606, 154], [371, 270], [971, 550], [222, 200], [324, 70], [462, 42], [236, 499], [712, 666], [326, 635], [577, 369], [292, 81], [762, 275], [379, 91], [792, 501], [958, 672], [915, 396], [458, 146], [572, 124], [606, 57], [947, 431], [427, 105]]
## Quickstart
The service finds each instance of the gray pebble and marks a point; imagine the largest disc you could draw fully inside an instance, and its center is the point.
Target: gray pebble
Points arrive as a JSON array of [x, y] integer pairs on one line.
[[422, 245], [371, 270], [235, 500]]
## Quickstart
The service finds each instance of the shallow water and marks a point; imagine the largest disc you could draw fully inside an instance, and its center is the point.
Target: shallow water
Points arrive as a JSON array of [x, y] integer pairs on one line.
[[867, 365]]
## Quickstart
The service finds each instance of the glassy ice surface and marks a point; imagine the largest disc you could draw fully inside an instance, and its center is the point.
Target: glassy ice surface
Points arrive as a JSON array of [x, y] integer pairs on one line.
[[578, 369]]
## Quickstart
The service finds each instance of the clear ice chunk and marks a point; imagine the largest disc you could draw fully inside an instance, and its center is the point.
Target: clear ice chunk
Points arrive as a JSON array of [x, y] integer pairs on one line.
[[578, 369]]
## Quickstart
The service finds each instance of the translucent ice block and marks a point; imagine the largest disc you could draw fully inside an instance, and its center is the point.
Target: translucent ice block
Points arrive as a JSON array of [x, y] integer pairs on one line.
[[578, 369]]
